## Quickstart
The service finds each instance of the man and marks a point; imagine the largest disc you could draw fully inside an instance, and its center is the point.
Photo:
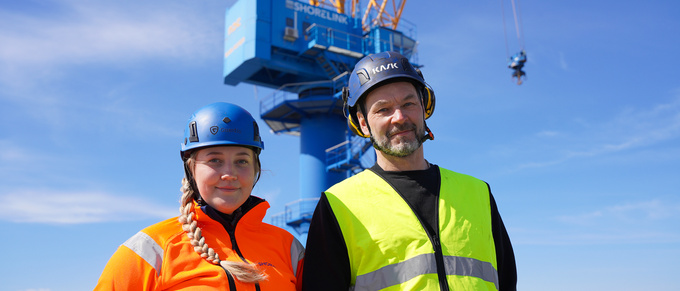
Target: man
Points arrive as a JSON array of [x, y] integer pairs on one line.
[[404, 224]]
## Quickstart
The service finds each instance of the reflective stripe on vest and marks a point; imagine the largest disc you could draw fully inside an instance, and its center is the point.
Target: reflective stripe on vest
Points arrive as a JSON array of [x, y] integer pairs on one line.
[[388, 248], [146, 248], [425, 264]]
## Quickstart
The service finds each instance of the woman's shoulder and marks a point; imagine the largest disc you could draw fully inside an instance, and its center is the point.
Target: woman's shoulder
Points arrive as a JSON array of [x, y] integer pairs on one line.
[[164, 231], [275, 230]]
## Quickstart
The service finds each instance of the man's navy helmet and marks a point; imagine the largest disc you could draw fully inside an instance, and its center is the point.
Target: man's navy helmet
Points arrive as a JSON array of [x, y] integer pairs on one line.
[[379, 69]]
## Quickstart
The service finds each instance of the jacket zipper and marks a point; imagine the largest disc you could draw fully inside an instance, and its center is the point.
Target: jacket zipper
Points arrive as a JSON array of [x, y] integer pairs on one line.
[[234, 245], [232, 283], [438, 253], [439, 258], [434, 239]]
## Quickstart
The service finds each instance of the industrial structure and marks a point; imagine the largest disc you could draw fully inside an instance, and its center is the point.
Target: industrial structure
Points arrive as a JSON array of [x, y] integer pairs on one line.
[[305, 51]]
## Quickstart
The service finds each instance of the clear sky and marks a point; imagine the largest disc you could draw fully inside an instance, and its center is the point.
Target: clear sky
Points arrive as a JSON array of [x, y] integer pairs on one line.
[[583, 158]]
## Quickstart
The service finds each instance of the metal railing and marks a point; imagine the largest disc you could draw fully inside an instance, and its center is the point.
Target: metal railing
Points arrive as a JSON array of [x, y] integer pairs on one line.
[[301, 209], [358, 46], [290, 91], [350, 155]]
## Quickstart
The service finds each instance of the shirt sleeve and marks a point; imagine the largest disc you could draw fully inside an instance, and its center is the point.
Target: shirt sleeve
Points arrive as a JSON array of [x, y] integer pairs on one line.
[[326, 265], [505, 256]]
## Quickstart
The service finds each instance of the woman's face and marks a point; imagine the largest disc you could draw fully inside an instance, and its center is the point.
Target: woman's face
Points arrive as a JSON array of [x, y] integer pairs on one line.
[[225, 176]]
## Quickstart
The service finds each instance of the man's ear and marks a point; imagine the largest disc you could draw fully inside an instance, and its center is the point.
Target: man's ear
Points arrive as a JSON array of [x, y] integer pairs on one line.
[[363, 123]]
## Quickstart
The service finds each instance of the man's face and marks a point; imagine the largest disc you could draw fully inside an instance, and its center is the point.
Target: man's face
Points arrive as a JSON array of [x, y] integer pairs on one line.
[[396, 117]]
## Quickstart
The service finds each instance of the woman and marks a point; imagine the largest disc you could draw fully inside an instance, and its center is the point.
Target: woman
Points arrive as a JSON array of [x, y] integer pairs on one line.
[[218, 242]]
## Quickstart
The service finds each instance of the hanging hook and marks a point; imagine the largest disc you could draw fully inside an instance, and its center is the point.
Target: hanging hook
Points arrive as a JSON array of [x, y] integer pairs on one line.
[[516, 63]]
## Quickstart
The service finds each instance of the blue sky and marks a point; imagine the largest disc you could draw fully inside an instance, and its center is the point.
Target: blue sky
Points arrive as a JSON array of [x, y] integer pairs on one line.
[[583, 158]]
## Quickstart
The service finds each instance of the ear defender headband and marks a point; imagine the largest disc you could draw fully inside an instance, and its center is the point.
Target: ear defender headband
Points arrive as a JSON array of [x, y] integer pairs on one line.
[[426, 96], [350, 114]]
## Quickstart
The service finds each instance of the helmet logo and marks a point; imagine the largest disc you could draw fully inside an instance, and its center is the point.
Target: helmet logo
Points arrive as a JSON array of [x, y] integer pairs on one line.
[[216, 129], [389, 66]]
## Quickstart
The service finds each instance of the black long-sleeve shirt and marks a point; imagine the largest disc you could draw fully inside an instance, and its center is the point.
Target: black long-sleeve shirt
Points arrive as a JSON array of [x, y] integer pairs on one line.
[[326, 256]]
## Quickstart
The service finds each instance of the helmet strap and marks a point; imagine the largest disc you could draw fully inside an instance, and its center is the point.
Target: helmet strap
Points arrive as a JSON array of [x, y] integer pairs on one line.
[[363, 112], [192, 182], [429, 135]]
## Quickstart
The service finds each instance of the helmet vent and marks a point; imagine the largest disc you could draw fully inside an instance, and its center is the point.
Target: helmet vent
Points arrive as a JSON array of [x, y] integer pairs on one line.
[[256, 134], [406, 65], [226, 120], [193, 135], [363, 77]]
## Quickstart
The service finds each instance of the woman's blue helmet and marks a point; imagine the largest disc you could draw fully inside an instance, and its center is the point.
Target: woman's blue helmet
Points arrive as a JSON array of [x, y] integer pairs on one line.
[[221, 124]]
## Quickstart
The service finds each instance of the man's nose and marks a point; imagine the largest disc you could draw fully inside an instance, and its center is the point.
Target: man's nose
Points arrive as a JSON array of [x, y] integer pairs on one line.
[[398, 116]]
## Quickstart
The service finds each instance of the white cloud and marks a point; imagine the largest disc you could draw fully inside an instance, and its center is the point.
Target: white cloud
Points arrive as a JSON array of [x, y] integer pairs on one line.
[[11, 153], [563, 62], [560, 237], [96, 32], [61, 207], [629, 213], [629, 130], [43, 46], [639, 222], [548, 133], [59, 61]]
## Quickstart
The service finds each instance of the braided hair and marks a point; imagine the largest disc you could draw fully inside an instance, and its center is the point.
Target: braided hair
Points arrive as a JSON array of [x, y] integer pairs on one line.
[[242, 271]]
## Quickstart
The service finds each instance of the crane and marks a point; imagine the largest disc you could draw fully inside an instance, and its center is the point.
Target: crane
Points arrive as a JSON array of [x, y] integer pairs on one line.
[[305, 51]]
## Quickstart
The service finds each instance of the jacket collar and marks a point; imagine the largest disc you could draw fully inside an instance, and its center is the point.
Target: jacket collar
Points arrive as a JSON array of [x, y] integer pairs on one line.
[[250, 214]]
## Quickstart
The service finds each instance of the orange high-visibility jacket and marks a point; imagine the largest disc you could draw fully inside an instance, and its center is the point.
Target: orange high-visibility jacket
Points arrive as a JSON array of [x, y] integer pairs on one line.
[[161, 257]]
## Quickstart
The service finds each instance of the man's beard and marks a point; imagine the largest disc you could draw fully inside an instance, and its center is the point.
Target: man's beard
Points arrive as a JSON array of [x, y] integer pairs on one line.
[[405, 148]]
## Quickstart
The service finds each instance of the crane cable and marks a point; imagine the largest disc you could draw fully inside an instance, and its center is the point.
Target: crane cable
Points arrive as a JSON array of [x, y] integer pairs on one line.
[[518, 25]]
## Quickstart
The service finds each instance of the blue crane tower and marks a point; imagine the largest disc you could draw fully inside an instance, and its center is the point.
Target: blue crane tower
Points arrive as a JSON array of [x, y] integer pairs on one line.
[[305, 52]]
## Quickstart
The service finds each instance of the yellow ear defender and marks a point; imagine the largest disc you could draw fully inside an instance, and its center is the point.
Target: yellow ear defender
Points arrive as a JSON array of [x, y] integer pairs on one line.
[[351, 115]]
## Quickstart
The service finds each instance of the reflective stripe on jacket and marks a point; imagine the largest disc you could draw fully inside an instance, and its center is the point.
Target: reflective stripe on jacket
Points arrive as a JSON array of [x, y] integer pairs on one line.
[[389, 249], [160, 257]]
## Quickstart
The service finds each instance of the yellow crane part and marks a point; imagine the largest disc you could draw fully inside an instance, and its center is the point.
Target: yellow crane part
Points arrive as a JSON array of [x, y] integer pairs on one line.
[[376, 12]]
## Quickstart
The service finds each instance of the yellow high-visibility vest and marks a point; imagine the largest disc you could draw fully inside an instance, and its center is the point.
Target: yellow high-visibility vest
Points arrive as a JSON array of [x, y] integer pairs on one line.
[[389, 249]]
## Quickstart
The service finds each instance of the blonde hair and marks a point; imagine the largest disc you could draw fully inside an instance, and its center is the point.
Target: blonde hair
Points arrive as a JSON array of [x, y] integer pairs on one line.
[[242, 271]]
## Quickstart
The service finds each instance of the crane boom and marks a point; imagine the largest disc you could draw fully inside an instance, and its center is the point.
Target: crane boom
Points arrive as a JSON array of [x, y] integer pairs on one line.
[[374, 13], [338, 5]]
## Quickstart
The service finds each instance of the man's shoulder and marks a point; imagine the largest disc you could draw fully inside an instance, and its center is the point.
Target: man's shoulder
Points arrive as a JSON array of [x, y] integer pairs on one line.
[[360, 177], [363, 180], [445, 171]]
